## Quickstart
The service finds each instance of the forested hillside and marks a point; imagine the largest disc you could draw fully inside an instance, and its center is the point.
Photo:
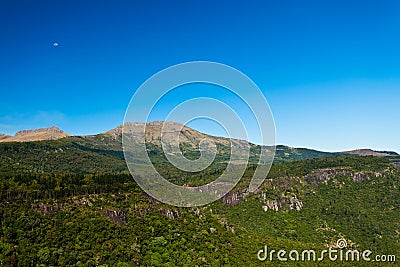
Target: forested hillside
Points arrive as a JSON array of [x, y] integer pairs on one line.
[[72, 202], [64, 219]]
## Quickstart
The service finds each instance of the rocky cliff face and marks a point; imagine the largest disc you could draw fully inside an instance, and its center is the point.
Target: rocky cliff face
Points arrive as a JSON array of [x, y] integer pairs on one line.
[[323, 176], [234, 198], [319, 177], [50, 133], [117, 216], [282, 188], [284, 203]]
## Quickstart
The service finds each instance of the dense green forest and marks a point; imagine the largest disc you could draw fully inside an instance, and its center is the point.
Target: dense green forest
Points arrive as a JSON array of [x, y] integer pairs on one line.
[[72, 202], [103, 154]]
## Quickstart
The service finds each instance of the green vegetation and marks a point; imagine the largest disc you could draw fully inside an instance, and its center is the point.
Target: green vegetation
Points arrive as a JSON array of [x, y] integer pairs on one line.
[[60, 156], [103, 154], [71, 202]]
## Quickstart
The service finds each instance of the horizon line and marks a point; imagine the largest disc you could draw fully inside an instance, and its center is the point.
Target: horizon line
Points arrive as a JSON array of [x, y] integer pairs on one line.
[[219, 136]]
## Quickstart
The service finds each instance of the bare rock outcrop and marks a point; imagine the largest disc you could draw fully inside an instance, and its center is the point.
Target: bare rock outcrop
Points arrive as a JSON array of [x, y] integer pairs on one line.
[[323, 176], [48, 209], [284, 203], [234, 198], [172, 214], [117, 216]]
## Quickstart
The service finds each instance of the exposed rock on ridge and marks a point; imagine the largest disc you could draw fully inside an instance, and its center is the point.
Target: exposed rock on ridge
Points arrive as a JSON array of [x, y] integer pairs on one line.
[[50, 133]]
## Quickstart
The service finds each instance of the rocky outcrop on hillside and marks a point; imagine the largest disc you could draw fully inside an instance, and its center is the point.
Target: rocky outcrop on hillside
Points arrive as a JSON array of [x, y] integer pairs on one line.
[[48, 209], [358, 177], [73, 203], [285, 185], [117, 216], [284, 203], [234, 198], [224, 223], [323, 176], [172, 214], [280, 190]]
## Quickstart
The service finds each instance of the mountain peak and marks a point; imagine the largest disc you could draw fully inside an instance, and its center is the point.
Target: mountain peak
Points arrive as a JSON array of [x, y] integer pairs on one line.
[[49, 133], [171, 129], [150, 127], [51, 129]]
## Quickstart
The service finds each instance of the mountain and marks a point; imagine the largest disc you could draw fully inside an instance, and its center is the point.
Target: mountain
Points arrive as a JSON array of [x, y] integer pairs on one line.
[[3, 136], [192, 137], [186, 134], [103, 152], [72, 202], [50, 133], [370, 152]]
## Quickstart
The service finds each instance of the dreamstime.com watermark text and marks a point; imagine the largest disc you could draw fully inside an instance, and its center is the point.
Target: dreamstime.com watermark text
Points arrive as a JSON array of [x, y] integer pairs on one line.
[[339, 253]]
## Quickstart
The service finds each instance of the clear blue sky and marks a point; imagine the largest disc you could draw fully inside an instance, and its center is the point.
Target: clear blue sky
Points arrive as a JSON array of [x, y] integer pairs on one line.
[[329, 69]]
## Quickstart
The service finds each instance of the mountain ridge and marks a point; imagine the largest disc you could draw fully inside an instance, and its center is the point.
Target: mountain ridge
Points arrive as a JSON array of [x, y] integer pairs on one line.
[[370, 152], [153, 135]]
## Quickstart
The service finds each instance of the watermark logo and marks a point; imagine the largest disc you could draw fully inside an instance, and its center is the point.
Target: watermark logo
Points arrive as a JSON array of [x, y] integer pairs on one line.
[[341, 243], [136, 128], [338, 253]]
